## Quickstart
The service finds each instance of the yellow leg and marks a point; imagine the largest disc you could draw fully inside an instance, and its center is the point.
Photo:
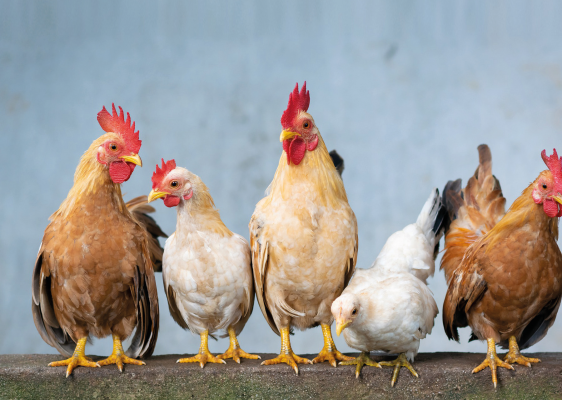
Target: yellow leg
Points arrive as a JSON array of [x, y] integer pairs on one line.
[[493, 361], [363, 359], [329, 352], [234, 351], [118, 356], [515, 356], [78, 359], [286, 355], [204, 356], [401, 361]]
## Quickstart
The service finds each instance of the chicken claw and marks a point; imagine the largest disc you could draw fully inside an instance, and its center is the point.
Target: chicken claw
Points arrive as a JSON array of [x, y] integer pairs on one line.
[[118, 356], [363, 359], [493, 361], [204, 356], [515, 356], [234, 351], [286, 355], [78, 359], [401, 361], [329, 352]]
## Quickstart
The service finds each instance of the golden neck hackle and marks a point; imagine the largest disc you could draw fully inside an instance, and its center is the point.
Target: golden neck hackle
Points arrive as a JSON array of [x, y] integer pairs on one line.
[[316, 169], [92, 183], [524, 212]]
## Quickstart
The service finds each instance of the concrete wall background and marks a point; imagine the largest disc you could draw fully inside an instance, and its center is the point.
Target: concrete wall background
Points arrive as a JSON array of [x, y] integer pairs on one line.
[[404, 90]]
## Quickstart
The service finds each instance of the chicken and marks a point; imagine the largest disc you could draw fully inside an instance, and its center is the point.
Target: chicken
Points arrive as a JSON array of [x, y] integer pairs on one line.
[[93, 275], [303, 236], [504, 271], [207, 269], [388, 307]]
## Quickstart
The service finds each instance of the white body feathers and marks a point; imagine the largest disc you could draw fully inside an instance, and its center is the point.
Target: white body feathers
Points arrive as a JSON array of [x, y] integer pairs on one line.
[[210, 273], [396, 308]]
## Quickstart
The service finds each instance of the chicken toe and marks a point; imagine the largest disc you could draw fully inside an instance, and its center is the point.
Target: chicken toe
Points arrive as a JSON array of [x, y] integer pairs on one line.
[[363, 359], [78, 359], [515, 356], [400, 362], [493, 361], [286, 355], [204, 356], [329, 352], [234, 351]]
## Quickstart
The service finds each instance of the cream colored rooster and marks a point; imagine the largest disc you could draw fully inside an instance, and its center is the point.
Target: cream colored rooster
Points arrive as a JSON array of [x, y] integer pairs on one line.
[[206, 268], [303, 237]]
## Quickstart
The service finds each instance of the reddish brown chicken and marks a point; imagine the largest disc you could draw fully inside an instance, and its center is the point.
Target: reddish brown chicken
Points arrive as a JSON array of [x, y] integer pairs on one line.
[[94, 271], [504, 271]]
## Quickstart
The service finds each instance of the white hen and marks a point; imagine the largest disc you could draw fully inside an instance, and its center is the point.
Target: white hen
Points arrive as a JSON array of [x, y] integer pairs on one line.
[[389, 307], [206, 268]]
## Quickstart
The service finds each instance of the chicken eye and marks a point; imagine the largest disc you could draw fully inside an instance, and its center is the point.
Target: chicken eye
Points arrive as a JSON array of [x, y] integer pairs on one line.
[[544, 185], [113, 146], [305, 125], [354, 311], [174, 184]]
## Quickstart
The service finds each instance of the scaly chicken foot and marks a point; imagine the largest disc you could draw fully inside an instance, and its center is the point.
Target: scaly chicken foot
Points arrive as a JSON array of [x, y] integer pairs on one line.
[[329, 352], [78, 359], [234, 351], [204, 356], [400, 362], [286, 355], [515, 356], [493, 361], [363, 359], [118, 356]]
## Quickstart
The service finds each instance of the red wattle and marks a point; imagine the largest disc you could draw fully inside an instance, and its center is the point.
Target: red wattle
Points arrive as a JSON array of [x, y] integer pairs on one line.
[[171, 201], [297, 150], [550, 208], [120, 171], [310, 146]]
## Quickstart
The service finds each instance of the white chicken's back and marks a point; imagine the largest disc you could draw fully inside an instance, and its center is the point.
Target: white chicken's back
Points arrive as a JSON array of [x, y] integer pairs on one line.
[[413, 248]]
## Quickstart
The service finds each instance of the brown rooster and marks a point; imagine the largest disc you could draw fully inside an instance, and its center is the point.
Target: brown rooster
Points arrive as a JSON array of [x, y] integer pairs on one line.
[[94, 274], [504, 271], [303, 236]]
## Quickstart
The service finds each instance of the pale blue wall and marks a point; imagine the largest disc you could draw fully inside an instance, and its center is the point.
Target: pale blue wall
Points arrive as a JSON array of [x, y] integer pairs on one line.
[[405, 90]]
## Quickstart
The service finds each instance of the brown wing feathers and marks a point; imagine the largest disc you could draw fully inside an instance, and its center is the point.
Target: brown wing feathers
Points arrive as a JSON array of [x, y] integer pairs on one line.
[[140, 209]]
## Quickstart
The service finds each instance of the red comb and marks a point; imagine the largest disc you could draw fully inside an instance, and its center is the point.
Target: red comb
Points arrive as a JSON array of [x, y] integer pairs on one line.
[[297, 102], [161, 173], [116, 123], [554, 164]]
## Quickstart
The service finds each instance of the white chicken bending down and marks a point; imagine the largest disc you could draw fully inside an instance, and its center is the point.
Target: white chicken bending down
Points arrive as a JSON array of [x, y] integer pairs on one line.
[[388, 307], [206, 268], [303, 236]]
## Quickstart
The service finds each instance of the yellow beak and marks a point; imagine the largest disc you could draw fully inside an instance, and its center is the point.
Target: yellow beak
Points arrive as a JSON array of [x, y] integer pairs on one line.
[[133, 158], [288, 135], [341, 325], [156, 194], [557, 198]]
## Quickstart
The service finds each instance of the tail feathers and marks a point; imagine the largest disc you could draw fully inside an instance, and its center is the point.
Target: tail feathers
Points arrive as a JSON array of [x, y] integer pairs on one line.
[[338, 161], [428, 218], [433, 218], [452, 200], [472, 211]]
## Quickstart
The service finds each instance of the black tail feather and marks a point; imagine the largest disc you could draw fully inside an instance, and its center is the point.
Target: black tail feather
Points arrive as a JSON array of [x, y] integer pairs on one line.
[[338, 161]]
